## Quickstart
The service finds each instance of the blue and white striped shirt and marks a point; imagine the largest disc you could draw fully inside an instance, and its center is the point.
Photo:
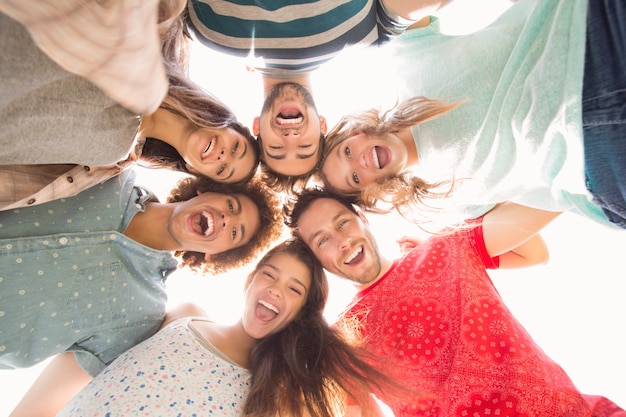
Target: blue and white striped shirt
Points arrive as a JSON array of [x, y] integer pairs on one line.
[[291, 37]]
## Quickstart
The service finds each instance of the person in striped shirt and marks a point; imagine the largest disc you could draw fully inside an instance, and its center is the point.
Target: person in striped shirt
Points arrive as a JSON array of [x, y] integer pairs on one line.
[[287, 40]]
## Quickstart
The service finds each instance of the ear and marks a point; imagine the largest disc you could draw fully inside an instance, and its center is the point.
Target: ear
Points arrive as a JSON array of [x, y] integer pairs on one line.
[[323, 126], [248, 280], [255, 126], [207, 257], [362, 216]]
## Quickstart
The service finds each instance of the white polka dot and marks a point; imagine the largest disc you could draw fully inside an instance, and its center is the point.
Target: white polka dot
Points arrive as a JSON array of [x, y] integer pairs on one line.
[[3, 348], [9, 246], [36, 224], [53, 314], [1, 313], [50, 211], [43, 303], [74, 267], [76, 294], [63, 240], [40, 272], [21, 292], [60, 284], [22, 325], [18, 260]]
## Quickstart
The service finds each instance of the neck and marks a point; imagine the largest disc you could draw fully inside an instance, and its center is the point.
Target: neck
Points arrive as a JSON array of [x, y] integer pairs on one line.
[[303, 80], [406, 136], [233, 341], [385, 266], [164, 126], [150, 227]]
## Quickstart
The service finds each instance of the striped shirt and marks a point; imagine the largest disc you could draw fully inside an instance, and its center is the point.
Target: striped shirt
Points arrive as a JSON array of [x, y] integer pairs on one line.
[[289, 38]]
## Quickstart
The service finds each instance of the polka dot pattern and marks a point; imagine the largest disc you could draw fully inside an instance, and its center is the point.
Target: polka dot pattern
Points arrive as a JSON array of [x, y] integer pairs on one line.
[[172, 373], [69, 278]]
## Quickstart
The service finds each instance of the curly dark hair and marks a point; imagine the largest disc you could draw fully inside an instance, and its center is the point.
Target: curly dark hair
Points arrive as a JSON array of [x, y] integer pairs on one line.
[[270, 227]]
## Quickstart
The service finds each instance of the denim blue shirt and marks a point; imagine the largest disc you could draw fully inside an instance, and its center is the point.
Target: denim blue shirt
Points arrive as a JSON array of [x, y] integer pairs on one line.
[[71, 281]]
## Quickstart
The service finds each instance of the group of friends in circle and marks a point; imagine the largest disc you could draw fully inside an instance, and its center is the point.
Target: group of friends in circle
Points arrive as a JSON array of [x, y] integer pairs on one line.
[[494, 134]]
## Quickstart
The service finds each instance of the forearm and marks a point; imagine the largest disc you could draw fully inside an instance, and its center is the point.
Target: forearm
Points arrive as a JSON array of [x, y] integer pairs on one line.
[[58, 383], [508, 226], [533, 252]]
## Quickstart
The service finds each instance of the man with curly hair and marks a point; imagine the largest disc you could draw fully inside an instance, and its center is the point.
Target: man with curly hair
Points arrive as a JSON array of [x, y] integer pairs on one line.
[[87, 274]]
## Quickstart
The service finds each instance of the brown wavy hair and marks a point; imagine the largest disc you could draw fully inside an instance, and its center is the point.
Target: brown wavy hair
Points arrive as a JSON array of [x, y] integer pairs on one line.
[[188, 100], [402, 192], [270, 225], [310, 368]]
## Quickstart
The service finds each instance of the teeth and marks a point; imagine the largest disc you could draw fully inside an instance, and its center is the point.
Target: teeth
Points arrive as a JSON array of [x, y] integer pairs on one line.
[[375, 157], [281, 121], [209, 147], [353, 255], [269, 306], [209, 222]]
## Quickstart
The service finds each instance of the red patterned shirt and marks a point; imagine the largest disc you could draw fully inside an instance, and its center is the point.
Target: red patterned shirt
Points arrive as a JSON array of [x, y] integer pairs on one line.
[[438, 324]]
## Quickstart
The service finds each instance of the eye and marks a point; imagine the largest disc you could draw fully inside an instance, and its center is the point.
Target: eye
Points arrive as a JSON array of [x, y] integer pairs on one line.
[[230, 205], [268, 275], [221, 169], [341, 224], [348, 153], [305, 146], [296, 290], [235, 147], [355, 177], [233, 233], [275, 147], [321, 241]]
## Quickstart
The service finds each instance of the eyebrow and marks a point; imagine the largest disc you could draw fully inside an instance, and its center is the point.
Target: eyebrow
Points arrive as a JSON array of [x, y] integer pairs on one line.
[[298, 155], [296, 280], [243, 153]]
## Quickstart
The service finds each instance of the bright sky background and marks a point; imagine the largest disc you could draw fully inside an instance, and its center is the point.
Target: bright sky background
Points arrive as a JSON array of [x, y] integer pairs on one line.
[[573, 306]]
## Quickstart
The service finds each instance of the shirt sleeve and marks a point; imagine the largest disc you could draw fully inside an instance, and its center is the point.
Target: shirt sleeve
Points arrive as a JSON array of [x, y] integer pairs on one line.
[[478, 242], [115, 46]]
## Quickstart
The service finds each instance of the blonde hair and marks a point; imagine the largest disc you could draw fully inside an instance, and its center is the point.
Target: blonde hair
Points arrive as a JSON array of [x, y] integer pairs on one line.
[[402, 192]]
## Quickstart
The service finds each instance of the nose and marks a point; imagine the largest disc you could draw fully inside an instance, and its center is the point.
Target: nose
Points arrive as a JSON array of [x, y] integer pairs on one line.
[[274, 291], [223, 156], [225, 219], [291, 134], [345, 243]]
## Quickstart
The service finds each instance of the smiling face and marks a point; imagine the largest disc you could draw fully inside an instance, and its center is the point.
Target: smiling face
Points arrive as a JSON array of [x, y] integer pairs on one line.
[[341, 241], [290, 130], [276, 292], [224, 155], [361, 160], [213, 223]]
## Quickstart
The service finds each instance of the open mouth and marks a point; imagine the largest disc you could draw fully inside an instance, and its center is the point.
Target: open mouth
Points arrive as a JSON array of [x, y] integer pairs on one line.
[[289, 117], [355, 257], [266, 311], [380, 157], [203, 223], [209, 149]]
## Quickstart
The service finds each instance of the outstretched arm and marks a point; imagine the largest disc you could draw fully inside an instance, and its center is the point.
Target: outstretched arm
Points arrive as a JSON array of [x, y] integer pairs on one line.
[[56, 385], [511, 231]]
